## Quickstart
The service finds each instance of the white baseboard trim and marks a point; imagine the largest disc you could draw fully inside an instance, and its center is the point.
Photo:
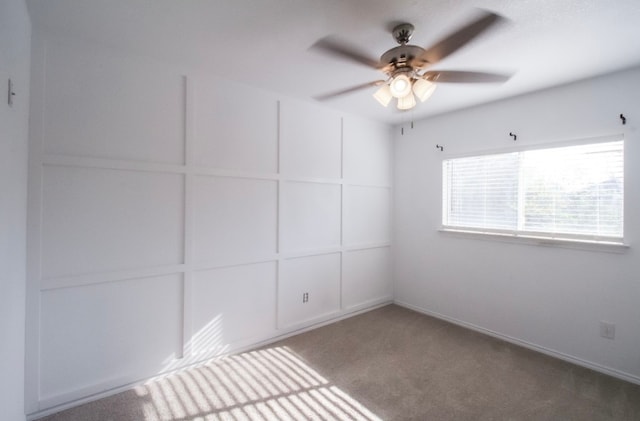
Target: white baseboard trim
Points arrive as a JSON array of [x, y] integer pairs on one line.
[[529, 345], [82, 396]]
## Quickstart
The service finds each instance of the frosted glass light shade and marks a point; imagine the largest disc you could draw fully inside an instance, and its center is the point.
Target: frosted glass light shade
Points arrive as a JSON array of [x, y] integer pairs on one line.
[[383, 95], [400, 86], [407, 102], [423, 89]]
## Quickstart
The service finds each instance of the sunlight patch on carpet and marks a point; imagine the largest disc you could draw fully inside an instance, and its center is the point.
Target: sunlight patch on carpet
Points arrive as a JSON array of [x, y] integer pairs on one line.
[[268, 384]]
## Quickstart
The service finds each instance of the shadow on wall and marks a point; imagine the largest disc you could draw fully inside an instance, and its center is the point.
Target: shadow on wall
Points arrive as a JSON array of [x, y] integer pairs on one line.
[[267, 384]]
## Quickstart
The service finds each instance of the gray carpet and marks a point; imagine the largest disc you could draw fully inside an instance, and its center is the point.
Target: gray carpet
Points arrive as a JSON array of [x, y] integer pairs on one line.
[[387, 364]]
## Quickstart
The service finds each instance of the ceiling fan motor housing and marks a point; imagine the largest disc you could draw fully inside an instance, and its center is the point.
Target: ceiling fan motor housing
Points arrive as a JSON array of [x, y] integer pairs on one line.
[[400, 59]]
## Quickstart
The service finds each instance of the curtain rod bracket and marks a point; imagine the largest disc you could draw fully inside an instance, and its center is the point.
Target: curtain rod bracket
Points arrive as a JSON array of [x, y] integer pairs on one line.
[[623, 118]]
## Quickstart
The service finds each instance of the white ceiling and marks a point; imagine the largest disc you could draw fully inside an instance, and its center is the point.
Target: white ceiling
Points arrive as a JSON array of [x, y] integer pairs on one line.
[[265, 43]]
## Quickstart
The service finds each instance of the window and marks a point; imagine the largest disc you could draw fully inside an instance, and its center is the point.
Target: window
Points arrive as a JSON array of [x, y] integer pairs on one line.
[[570, 192]]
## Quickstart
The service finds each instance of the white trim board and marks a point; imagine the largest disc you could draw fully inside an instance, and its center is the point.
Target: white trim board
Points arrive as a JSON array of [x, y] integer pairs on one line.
[[550, 352], [286, 334]]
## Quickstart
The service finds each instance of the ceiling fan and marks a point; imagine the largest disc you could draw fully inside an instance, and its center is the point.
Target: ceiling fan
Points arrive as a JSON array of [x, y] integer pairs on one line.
[[405, 65]]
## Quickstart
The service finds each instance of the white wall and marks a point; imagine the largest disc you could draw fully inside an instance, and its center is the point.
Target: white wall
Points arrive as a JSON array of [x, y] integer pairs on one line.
[[548, 297], [182, 215], [15, 47]]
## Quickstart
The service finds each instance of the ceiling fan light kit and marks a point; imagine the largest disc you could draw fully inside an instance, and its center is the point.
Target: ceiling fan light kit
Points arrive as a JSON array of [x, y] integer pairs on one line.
[[383, 95], [423, 89], [400, 86], [405, 65], [407, 102]]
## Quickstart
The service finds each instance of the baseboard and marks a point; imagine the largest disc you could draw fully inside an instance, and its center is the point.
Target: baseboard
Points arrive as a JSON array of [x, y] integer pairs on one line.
[[547, 351], [80, 397]]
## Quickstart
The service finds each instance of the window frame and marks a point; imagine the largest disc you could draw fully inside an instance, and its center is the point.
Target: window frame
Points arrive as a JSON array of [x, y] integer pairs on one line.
[[579, 241]]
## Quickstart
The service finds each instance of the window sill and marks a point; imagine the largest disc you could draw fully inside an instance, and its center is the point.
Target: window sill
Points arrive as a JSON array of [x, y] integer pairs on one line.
[[599, 246]]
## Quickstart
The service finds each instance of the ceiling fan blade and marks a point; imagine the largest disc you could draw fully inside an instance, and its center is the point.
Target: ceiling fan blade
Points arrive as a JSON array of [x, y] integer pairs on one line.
[[341, 49], [458, 39], [335, 94], [454, 76]]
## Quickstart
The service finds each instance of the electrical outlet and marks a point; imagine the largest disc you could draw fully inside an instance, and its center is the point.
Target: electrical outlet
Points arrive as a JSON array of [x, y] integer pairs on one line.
[[305, 297], [607, 330]]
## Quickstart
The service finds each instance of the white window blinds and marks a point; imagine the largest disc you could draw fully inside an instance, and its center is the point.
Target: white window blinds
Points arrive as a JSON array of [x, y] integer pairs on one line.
[[573, 192]]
